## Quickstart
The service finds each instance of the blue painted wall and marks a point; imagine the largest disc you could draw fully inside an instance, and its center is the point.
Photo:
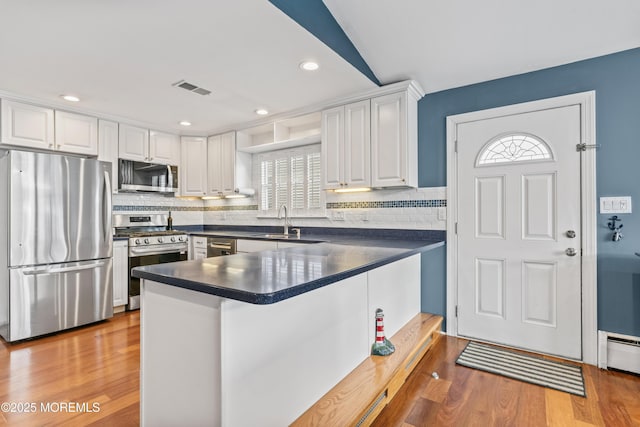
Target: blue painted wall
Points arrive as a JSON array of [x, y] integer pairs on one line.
[[314, 16], [616, 80]]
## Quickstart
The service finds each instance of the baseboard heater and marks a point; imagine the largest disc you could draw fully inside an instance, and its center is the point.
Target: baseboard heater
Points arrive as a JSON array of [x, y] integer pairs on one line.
[[618, 351]]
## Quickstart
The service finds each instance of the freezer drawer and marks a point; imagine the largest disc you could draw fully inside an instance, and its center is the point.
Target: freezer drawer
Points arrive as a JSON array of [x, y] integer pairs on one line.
[[50, 298]]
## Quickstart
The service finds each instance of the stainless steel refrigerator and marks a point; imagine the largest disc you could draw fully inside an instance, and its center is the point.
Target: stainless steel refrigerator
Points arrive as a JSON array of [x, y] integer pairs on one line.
[[55, 243]]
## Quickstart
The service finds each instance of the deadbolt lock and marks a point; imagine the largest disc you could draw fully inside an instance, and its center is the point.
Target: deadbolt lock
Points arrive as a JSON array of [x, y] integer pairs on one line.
[[571, 234]]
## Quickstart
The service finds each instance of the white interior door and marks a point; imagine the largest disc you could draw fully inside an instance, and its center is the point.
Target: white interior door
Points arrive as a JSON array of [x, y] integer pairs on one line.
[[519, 250]]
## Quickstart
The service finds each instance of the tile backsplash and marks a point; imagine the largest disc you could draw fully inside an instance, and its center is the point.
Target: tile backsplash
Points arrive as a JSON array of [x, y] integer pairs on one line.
[[414, 208]]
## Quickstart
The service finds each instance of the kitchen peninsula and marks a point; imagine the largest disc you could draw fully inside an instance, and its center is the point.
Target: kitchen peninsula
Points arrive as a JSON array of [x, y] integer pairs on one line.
[[256, 338]]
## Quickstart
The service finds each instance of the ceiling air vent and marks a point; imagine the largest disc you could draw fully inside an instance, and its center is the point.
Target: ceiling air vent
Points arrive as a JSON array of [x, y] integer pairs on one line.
[[191, 87]]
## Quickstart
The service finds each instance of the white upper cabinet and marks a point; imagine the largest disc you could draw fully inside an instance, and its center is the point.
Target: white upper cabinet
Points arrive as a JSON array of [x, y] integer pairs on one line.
[[27, 125], [221, 163], [394, 140], [346, 146], [332, 148], [193, 166], [76, 133], [164, 148], [31, 126], [373, 142], [142, 145], [134, 143], [108, 148]]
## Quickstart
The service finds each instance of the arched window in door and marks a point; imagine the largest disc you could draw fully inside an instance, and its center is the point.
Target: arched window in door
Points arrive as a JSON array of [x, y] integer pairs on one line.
[[514, 147]]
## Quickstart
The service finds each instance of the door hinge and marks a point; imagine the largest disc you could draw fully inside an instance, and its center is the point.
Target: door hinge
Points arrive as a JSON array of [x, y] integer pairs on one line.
[[456, 311], [455, 228], [583, 147], [455, 146]]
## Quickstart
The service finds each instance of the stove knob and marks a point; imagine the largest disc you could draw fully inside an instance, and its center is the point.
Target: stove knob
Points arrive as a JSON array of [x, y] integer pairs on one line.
[[146, 241], [160, 239], [180, 238], [137, 242], [173, 239]]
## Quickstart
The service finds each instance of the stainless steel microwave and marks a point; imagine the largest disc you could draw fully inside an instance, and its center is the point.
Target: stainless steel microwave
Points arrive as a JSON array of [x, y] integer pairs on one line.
[[146, 177]]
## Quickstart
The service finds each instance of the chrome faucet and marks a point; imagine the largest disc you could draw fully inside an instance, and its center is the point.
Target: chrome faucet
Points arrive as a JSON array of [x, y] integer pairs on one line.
[[286, 218]]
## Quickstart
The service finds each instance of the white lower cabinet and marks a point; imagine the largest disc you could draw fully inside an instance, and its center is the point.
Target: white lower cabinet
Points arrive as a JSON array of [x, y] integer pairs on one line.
[[120, 272], [199, 247]]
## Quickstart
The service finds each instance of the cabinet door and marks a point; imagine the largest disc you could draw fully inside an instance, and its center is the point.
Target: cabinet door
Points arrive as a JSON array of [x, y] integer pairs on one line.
[[199, 253], [27, 125], [108, 148], [228, 162], [389, 140], [214, 160], [120, 272], [164, 148], [221, 164], [332, 147], [76, 133], [134, 143], [193, 166], [357, 144]]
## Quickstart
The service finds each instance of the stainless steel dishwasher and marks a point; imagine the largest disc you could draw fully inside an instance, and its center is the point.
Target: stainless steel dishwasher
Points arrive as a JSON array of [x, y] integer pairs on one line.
[[217, 246]]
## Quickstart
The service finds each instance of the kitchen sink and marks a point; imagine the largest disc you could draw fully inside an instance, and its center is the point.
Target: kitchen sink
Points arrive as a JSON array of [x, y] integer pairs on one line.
[[280, 236]]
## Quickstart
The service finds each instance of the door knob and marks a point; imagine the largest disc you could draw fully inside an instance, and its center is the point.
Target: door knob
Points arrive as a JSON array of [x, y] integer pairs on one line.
[[571, 234], [571, 251]]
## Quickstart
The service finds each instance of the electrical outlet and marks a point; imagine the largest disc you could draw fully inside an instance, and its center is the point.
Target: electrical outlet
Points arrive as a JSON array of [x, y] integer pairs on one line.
[[442, 214], [337, 215]]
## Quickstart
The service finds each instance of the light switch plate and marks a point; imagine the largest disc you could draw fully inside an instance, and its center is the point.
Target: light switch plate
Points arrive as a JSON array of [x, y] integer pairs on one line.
[[615, 205]]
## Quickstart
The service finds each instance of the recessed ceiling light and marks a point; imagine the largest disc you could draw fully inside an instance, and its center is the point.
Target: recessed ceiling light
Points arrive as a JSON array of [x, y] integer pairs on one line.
[[185, 123], [70, 98], [262, 112], [309, 65]]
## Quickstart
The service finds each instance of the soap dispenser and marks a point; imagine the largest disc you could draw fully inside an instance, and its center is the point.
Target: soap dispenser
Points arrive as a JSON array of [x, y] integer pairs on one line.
[[169, 222]]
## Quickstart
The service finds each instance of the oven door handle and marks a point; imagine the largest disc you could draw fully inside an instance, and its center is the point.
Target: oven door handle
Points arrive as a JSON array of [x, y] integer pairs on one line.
[[165, 249], [220, 246]]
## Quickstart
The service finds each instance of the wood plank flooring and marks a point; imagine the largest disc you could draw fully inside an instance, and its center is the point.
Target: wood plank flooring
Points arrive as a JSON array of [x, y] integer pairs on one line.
[[96, 364], [469, 397], [101, 364]]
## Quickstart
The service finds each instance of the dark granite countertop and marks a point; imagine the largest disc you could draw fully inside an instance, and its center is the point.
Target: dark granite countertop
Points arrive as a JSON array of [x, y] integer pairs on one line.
[[270, 276]]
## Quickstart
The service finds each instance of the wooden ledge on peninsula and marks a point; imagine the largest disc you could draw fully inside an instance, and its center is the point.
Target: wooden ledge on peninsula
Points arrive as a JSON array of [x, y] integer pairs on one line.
[[360, 396]]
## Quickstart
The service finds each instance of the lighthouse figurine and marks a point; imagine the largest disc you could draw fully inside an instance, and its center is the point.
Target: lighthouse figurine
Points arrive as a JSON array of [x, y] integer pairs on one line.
[[382, 346]]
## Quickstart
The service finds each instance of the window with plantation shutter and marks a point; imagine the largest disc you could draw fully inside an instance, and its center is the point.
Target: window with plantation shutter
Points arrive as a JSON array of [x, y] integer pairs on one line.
[[291, 178]]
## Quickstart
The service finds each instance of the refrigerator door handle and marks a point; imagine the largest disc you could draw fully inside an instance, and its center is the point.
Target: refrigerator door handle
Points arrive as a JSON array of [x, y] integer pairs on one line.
[[106, 196], [46, 270]]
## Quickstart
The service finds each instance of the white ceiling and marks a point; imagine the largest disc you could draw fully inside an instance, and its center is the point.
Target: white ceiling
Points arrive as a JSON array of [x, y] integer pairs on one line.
[[452, 43], [121, 58]]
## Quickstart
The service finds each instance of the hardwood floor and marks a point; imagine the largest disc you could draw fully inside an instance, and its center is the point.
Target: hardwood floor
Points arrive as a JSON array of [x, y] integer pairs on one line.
[[101, 364], [97, 364], [468, 397]]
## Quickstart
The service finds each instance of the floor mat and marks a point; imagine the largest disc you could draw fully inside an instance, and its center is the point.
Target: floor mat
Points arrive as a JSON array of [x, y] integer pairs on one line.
[[532, 369]]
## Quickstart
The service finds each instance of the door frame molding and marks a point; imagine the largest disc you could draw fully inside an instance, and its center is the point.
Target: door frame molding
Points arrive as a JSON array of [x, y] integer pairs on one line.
[[587, 103]]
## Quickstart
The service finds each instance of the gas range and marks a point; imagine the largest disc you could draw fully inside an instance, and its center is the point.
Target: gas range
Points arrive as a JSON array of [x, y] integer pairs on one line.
[[149, 232], [150, 242]]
